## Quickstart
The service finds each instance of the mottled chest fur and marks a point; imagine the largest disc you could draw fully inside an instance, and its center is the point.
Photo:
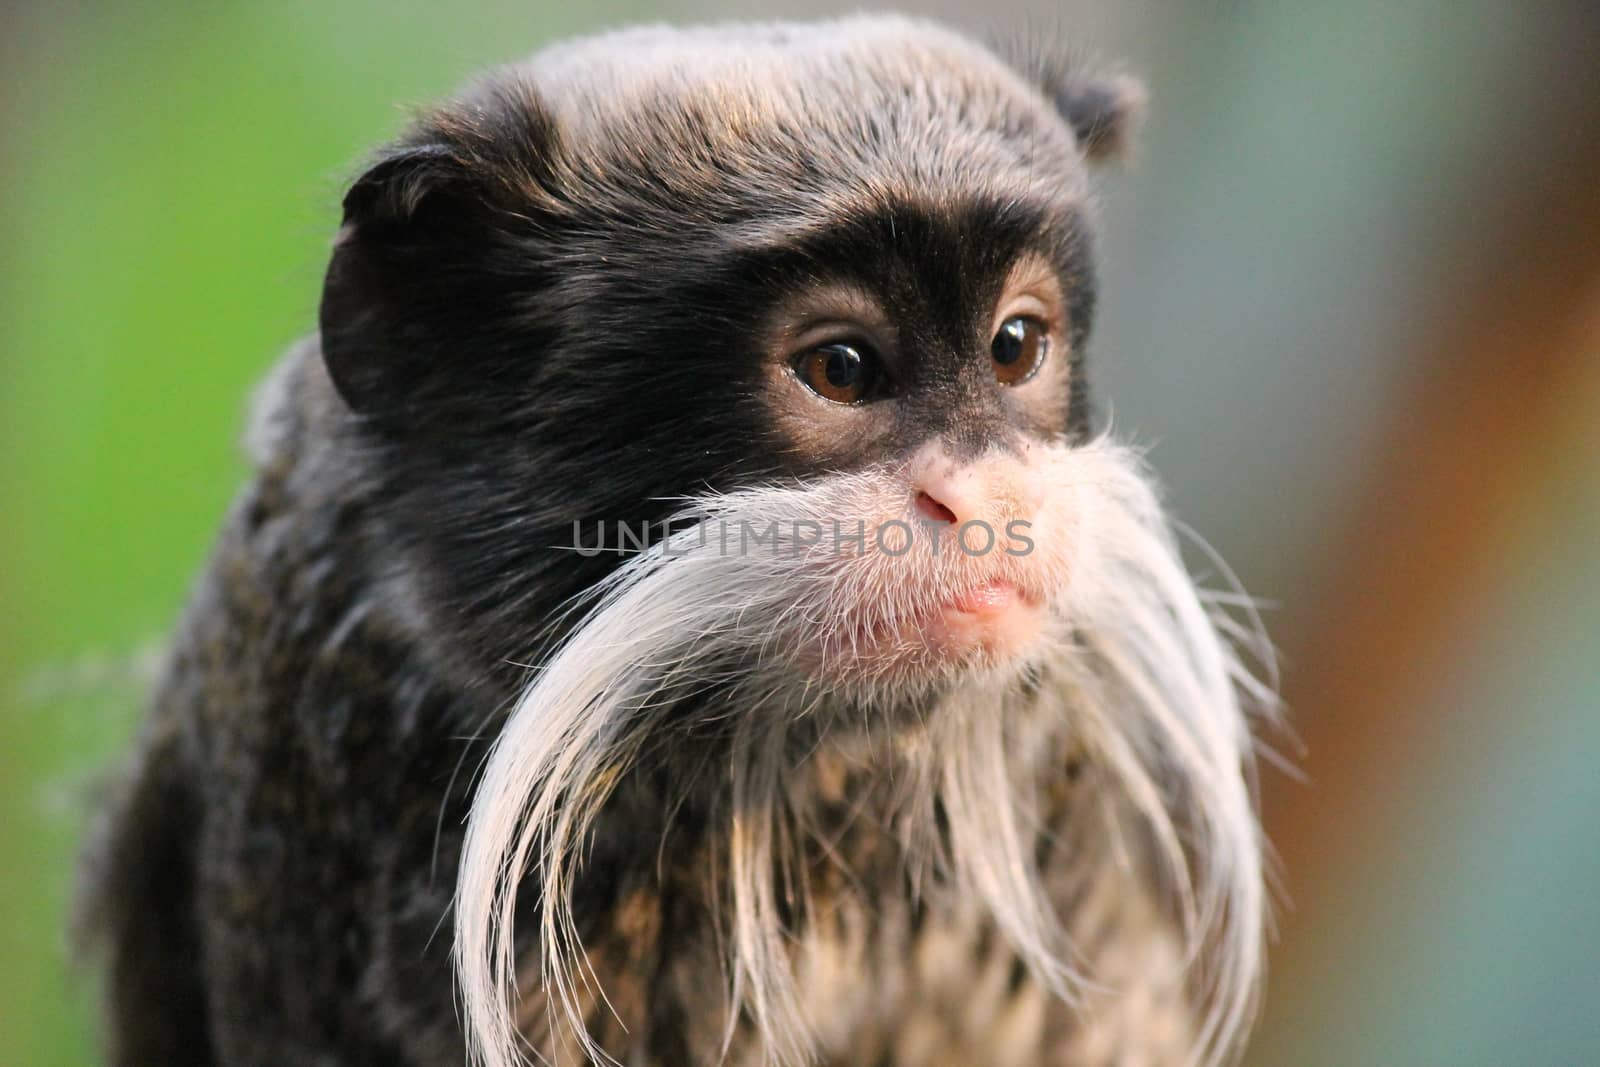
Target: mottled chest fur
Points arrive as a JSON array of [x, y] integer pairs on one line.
[[893, 964]]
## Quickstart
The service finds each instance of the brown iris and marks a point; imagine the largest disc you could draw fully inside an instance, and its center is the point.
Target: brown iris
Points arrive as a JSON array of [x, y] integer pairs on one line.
[[1018, 349], [843, 373]]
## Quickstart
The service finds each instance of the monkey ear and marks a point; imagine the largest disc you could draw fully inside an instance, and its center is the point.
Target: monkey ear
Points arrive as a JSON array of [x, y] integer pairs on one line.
[[393, 189], [398, 255], [1103, 111]]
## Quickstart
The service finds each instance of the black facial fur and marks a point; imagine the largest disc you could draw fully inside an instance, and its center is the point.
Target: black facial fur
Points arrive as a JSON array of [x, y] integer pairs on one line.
[[937, 271]]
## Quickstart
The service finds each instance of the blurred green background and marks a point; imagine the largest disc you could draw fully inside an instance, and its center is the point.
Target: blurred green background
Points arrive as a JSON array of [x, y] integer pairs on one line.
[[1352, 300]]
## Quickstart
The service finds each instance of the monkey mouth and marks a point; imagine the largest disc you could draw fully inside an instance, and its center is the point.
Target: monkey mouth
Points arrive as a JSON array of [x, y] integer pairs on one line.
[[987, 600], [987, 624]]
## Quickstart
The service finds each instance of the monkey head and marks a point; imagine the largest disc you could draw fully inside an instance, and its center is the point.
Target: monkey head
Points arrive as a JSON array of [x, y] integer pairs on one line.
[[852, 258]]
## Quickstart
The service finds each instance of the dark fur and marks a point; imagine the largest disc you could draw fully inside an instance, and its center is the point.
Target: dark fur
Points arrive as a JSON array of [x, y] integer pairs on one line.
[[540, 308]]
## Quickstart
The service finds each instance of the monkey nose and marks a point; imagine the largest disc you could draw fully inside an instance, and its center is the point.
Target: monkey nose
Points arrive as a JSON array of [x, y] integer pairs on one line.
[[996, 489], [945, 490], [933, 509]]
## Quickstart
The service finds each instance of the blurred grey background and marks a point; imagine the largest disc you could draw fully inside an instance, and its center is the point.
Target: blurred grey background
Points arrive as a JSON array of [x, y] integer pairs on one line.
[[1351, 302]]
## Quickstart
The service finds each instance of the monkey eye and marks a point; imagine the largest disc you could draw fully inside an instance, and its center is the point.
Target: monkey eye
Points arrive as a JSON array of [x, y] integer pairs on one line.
[[841, 372], [1018, 349]]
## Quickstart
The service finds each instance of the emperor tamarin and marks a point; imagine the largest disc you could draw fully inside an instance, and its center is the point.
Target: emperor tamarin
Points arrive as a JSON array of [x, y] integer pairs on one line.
[[681, 613]]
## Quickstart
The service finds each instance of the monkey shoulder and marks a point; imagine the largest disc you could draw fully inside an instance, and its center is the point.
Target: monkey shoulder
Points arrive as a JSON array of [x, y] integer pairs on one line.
[[327, 759]]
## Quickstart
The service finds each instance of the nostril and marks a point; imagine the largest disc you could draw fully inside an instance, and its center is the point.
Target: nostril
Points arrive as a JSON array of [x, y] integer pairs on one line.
[[933, 510]]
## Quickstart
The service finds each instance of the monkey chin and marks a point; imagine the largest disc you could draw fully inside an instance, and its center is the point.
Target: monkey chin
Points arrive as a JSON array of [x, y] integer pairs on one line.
[[990, 624]]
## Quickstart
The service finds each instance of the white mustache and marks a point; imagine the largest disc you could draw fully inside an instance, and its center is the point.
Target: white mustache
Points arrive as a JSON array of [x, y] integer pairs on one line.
[[1134, 663]]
